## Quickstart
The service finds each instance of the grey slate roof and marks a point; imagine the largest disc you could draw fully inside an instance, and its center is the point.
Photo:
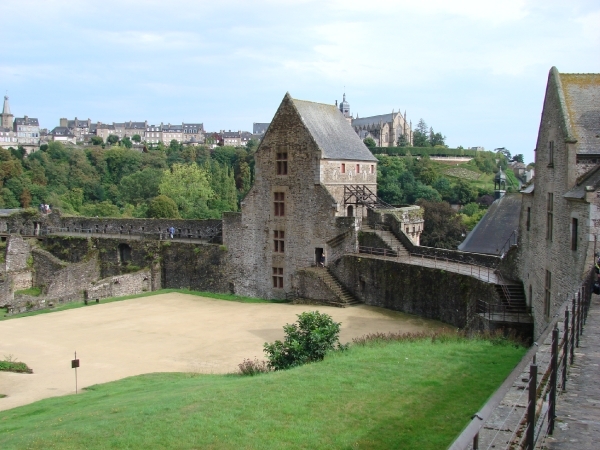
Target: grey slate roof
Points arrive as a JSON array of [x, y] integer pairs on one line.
[[494, 229], [27, 121], [582, 99], [592, 180], [260, 127], [61, 131], [332, 132], [372, 120]]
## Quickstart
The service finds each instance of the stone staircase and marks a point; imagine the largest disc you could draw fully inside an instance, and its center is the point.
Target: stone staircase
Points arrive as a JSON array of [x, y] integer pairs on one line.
[[342, 297], [389, 238], [515, 301]]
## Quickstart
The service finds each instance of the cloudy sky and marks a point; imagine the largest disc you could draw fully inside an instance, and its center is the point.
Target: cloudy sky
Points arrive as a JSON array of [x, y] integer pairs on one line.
[[474, 70]]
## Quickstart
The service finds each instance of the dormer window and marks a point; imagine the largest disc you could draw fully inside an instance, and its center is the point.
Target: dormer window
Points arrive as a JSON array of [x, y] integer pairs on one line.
[[282, 163]]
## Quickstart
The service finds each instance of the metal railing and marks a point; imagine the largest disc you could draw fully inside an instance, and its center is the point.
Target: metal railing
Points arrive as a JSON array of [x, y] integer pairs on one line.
[[503, 313], [208, 236], [547, 376], [437, 262], [513, 239]]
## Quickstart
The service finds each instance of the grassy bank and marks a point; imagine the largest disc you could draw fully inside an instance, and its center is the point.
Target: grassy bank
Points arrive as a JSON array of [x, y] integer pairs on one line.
[[81, 304], [382, 395]]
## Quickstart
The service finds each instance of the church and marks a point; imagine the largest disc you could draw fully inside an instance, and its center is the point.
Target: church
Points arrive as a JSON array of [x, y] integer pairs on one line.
[[385, 129]]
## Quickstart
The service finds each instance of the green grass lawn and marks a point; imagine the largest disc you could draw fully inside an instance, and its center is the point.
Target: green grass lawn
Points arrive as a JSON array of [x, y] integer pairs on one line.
[[399, 395], [81, 304]]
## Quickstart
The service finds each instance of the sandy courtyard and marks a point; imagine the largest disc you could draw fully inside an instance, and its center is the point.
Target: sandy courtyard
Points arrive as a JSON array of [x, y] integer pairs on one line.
[[162, 333]]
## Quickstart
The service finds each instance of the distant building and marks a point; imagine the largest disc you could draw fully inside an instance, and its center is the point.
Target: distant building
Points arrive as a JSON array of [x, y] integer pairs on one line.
[[20, 131], [260, 128], [63, 134], [79, 128], [384, 129]]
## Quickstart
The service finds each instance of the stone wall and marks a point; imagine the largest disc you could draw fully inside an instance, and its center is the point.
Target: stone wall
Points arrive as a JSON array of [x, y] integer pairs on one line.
[[62, 280], [423, 291], [31, 222], [18, 252], [539, 255]]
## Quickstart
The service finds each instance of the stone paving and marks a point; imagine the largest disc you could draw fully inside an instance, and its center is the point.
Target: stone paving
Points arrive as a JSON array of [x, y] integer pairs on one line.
[[578, 408]]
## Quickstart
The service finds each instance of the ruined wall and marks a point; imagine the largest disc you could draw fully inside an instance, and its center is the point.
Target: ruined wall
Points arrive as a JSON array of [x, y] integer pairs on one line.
[[60, 280], [423, 291], [196, 267]]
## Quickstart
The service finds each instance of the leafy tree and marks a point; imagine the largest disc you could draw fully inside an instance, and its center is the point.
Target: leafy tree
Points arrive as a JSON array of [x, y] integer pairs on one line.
[[443, 227], [505, 152], [463, 192], [470, 209], [25, 198], [443, 186], [44, 147], [519, 158], [101, 209], [402, 141], [308, 340], [370, 142], [97, 140], [421, 135], [140, 186], [436, 138], [9, 199], [126, 142], [226, 155], [162, 207], [251, 145], [189, 187], [136, 138], [112, 139]]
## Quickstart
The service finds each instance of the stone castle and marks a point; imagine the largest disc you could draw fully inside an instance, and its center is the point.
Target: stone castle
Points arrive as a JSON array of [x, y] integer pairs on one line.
[[315, 198]]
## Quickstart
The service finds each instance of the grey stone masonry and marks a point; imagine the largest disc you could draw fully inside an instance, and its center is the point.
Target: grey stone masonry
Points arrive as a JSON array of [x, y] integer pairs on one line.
[[560, 214]]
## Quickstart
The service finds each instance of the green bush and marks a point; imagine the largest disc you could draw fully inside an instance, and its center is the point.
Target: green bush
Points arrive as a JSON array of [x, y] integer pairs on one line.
[[309, 339]]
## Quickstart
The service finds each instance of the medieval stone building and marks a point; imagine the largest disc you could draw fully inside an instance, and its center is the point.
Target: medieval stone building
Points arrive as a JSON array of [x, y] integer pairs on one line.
[[295, 211], [384, 129], [560, 216]]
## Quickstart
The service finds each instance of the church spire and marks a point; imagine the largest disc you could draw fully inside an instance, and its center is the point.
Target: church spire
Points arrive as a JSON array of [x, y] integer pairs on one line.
[[6, 107]]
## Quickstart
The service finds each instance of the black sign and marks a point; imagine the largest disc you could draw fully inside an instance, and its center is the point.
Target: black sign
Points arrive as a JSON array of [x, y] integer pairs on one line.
[[74, 363]]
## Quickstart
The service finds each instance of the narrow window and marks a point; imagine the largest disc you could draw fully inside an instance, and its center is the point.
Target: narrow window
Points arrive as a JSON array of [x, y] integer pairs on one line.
[[548, 296], [551, 154], [530, 295], [343, 168], [574, 226], [279, 204], [282, 163], [550, 209], [278, 241], [372, 168], [357, 169], [278, 277], [528, 219]]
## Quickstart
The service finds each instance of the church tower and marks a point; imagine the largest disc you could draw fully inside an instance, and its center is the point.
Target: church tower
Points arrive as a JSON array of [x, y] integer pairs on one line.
[[345, 108], [7, 117]]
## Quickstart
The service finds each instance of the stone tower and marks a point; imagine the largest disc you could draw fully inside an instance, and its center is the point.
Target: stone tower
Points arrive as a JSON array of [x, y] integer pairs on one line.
[[7, 117], [345, 107]]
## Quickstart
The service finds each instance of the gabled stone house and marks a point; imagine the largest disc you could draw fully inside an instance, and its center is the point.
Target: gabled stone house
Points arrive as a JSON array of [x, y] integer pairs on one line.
[[560, 215], [295, 211]]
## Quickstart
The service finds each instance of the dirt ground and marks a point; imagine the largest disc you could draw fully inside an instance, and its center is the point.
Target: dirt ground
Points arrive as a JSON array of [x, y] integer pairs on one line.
[[162, 333]]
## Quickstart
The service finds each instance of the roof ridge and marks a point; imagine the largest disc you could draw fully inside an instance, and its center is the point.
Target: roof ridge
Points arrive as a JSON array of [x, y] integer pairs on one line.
[[555, 75]]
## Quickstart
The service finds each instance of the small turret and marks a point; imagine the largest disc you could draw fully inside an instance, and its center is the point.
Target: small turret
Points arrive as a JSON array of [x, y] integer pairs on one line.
[[499, 184]]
